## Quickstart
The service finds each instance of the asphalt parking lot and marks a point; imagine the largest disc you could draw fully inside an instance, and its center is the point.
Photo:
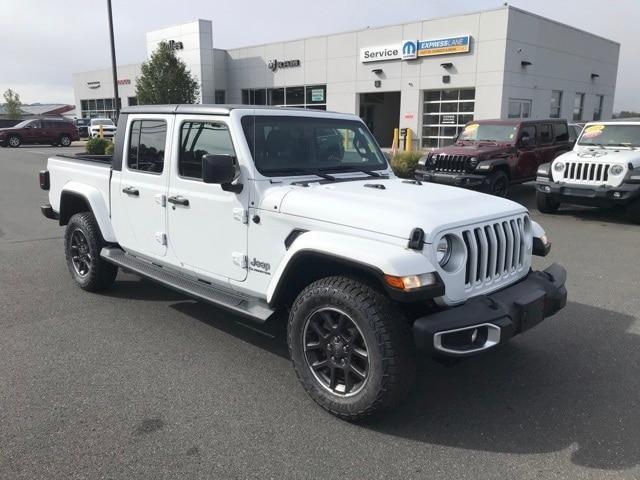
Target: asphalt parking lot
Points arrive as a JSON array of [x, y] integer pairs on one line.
[[141, 382]]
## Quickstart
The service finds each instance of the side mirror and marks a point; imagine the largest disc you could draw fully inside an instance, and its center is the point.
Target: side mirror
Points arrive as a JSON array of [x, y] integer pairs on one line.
[[221, 170], [526, 141]]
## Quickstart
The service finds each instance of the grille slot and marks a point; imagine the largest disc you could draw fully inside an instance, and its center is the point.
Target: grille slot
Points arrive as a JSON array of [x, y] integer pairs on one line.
[[587, 172], [494, 250], [450, 163]]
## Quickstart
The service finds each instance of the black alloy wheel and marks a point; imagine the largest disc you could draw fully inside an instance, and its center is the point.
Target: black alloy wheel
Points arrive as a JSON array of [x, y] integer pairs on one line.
[[336, 351]]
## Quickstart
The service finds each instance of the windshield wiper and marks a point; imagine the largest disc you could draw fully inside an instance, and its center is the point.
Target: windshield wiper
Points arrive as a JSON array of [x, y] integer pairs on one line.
[[350, 168], [310, 171]]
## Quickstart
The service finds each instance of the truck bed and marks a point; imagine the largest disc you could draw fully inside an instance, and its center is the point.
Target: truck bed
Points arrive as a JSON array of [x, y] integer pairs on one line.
[[92, 172]]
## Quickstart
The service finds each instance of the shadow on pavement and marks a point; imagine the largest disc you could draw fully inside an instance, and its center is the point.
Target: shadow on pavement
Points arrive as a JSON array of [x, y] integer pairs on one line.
[[579, 392]]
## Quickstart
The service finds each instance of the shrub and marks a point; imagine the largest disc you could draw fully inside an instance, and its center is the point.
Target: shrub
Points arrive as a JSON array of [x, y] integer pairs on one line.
[[97, 146], [109, 149], [404, 163]]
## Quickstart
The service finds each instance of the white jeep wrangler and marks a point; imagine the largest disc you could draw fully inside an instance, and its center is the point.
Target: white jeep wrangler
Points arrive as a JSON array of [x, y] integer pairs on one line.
[[268, 210], [602, 170]]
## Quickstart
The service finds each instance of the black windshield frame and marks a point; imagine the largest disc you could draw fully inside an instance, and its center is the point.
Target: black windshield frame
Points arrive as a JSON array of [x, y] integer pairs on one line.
[[370, 156]]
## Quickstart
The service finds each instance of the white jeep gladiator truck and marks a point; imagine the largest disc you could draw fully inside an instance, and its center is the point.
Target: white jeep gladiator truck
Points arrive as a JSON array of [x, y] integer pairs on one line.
[[268, 210], [602, 170]]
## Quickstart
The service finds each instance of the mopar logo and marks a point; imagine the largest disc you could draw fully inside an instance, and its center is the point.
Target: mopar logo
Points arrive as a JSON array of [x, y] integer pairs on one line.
[[260, 266], [409, 49]]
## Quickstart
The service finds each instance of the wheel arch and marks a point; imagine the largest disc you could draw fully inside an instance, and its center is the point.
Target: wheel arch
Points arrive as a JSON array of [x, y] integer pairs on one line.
[[314, 255], [82, 198]]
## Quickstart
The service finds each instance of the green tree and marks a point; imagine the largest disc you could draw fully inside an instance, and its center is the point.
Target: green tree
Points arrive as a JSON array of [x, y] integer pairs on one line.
[[12, 104], [165, 79]]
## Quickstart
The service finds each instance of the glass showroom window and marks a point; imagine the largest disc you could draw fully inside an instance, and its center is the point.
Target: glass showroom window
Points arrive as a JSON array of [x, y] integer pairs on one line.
[[556, 104], [597, 113], [306, 96], [99, 108], [519, 108], [220, 97], [445, 113], [578, 106]]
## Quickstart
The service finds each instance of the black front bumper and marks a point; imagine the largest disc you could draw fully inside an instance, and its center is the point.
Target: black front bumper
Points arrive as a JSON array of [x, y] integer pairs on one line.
[[494, 318], [589, 195], [458, 179]]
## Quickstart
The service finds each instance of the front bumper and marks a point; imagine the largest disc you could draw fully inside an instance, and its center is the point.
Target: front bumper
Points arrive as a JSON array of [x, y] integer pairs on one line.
[[486, 321], [467, 180], [589, 195]]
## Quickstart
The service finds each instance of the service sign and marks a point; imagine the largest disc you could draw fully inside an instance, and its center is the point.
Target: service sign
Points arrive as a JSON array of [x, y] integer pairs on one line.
[[443, 46], [378, 54], [412, 49]]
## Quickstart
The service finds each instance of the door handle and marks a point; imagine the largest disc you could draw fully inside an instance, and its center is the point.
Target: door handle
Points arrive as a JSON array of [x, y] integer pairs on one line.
[[178, 200], [131, 191]]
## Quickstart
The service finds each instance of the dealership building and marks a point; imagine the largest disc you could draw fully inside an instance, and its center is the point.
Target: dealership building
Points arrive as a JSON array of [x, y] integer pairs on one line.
[[430, 76]]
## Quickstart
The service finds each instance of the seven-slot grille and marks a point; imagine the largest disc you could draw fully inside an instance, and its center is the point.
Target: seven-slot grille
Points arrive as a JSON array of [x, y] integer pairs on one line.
[[586, 172], [495, 249], [449, 163]]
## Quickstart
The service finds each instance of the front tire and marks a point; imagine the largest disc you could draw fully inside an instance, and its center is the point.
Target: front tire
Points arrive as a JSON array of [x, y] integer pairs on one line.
[[82, 245], [498, 184], [350, 347], [546, 203], [14, 141]]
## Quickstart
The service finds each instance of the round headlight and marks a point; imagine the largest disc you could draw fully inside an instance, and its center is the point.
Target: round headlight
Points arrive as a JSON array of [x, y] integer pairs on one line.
[[558, 166], [616, 169], [443, 250], [473, 162]]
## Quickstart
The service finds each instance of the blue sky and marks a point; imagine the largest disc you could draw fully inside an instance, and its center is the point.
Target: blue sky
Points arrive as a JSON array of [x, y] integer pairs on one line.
[[45, 41]]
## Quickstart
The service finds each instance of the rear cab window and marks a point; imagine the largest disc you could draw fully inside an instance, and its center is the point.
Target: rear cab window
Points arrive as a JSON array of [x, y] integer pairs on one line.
[[561, 132], [545, 136], [146, 147]]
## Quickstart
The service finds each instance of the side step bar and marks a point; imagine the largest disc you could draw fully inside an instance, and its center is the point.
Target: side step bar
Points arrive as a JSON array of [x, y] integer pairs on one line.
[[255, 309]]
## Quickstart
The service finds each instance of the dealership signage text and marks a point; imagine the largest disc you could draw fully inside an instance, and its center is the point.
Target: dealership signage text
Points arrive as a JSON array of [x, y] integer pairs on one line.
[[411, 49]]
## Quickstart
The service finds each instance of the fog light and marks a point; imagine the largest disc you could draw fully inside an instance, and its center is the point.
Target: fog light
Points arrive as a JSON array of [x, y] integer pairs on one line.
[[617, 195], [474, 335], [546, 189]]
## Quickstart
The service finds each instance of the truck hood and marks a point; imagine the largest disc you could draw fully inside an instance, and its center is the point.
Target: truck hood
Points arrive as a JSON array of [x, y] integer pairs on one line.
[[480, 150], [393, 206], [603, 155]]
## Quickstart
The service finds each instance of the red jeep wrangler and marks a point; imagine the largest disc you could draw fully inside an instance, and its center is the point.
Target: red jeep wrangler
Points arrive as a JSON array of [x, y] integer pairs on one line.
[[489, 155]]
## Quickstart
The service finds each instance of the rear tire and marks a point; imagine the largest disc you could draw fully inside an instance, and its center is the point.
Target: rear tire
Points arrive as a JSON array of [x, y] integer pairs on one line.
[[351, 348], [64, 141], [546, 203], [498, 184], [14, 141], [82, 245]]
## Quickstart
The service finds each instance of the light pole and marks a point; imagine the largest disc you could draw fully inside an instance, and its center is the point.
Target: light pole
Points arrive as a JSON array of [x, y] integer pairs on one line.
[[113, 62]]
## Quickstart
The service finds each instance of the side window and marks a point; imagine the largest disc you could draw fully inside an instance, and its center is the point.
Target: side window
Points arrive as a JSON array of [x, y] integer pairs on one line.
[[51, 124], [198, 139], [35, 124], [561, 132], [544, 130], [528, 131], [146, 145]]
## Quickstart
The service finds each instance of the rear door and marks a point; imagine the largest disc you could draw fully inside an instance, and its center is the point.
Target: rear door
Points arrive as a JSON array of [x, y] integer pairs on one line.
[[141, 211]]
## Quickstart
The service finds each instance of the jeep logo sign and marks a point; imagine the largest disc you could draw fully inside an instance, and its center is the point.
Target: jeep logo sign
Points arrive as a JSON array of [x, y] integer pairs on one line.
[[173, 45], [276, 64]]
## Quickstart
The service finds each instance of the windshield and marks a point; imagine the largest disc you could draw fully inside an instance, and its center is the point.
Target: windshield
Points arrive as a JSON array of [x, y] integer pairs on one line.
[[484, 131], [301, 145], [82, 122], [611, 136], [101, 121]]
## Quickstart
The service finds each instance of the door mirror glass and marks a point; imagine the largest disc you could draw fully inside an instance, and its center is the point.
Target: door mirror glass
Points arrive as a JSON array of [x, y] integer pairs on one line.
[[218, 169], [526, 141]]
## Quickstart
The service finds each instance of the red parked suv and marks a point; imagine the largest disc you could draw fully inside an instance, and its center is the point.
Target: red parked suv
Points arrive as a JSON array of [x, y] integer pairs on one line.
[[492, 154], [53, 131]]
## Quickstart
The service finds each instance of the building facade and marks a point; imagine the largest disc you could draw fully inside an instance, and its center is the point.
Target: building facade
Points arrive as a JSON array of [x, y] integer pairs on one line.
[[431, 76]]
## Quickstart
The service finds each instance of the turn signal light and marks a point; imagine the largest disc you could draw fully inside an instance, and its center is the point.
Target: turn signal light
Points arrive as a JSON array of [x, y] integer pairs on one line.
[[411, 282]]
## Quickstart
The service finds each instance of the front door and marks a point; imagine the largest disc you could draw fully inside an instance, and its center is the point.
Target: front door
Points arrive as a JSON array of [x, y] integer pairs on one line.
[[207, 225], [528, 157], [143, 185], [33, 132]]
